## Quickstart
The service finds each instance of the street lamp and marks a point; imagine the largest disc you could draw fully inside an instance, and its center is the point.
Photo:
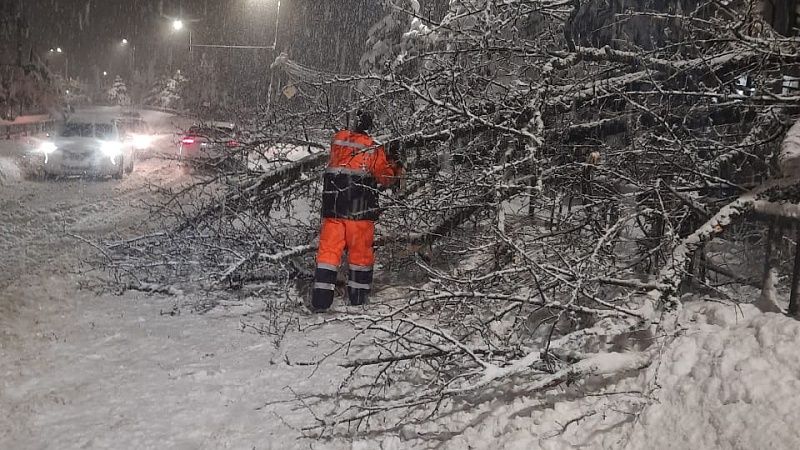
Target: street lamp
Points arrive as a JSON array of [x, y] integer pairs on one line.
[[178, 25], [124, 43]]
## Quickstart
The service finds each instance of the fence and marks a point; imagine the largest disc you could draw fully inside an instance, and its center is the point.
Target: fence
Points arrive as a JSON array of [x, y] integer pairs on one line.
[[33, 125]]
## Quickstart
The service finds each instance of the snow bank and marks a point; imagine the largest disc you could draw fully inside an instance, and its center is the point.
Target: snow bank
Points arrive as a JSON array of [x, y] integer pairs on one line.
[[9, 170], [25, 120], [272, 157], [731, 380]]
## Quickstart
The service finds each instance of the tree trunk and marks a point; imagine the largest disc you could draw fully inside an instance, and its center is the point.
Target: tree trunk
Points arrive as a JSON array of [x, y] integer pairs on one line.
[[793, 306], [766, 301]]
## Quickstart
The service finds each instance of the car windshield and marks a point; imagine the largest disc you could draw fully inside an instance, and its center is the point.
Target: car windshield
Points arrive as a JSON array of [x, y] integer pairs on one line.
[[104, 131], [132, 126], [80, 129]]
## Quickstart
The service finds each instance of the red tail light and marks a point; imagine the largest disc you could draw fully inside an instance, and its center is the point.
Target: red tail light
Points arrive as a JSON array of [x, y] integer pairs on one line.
[[187, 140]]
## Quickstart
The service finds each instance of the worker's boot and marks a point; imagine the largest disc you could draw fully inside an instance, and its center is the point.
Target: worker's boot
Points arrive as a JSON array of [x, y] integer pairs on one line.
[[359, 284], [323, 288], [358, 297]]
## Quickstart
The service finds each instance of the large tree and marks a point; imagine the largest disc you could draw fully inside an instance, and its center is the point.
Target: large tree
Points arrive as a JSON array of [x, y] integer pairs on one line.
[[566, 161]]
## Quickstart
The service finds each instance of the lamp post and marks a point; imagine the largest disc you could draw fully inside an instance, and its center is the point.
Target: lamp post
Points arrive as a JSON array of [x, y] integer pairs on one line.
[[126, 43], [178, 26], [274, 49]]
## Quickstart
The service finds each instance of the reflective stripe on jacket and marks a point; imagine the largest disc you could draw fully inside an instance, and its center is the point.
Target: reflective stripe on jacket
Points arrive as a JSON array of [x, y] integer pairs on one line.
[[356, 167]]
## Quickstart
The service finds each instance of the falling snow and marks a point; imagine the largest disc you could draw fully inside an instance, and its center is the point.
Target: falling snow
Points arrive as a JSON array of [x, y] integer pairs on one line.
[[591, 244]]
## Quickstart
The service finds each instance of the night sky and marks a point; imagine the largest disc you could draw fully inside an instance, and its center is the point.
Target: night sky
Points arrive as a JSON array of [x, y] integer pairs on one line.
[[326, 34], [90, 31]]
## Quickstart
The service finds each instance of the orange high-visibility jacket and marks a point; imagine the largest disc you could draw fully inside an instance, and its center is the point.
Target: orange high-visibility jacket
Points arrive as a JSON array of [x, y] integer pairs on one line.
[[357, 166]]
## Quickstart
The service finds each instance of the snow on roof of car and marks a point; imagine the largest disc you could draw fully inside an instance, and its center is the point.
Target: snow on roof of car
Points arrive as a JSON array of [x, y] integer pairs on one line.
[[91, 118], [129, 120], [216, 124]]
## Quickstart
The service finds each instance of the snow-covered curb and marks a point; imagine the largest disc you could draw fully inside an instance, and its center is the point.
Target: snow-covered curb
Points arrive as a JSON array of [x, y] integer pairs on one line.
[[9, 171]]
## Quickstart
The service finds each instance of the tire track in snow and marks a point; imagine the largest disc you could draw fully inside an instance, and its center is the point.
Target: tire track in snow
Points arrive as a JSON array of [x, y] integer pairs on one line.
[[36, 217]]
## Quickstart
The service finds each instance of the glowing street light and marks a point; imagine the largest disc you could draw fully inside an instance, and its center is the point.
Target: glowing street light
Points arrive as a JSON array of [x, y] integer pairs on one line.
[[178, 26], [125, 43], [105, 74]]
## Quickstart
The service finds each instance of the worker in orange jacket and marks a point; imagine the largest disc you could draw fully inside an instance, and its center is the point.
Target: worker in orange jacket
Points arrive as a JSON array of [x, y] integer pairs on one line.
[[356, 168]]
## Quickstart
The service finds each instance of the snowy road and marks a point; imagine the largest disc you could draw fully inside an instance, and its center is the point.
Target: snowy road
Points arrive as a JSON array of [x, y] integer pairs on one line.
[[82, 367]]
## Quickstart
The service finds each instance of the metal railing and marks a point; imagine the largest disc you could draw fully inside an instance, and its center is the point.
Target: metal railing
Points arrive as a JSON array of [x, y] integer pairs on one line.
[[15, 130]]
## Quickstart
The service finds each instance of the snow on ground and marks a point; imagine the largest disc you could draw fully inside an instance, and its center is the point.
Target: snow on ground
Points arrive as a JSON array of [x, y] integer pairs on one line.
[[9, 170], [731, 380], [23, 120], [125, 374], [82, 367], [9, 165]]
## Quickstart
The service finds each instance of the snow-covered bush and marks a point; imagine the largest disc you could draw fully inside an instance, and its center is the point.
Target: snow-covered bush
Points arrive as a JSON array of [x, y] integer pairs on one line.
[[168, 91], [24, 89], [117, 94], [395, 37]]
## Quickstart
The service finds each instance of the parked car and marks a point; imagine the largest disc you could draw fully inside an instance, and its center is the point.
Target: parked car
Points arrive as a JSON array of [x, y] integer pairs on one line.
[[87, 147], [209, 141]]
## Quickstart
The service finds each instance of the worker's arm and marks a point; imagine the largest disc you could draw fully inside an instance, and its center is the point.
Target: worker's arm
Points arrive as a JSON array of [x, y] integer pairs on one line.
[[385, 171]]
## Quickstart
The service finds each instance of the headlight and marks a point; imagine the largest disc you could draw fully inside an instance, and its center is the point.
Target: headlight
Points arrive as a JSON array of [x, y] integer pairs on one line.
[[141, 142], [111, 149], [47, 148]]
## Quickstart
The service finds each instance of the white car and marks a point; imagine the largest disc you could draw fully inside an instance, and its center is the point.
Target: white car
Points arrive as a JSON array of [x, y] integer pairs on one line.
[[93, 148]]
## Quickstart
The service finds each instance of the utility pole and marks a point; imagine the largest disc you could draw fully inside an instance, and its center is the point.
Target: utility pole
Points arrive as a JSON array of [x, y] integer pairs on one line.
[[274, 48]]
